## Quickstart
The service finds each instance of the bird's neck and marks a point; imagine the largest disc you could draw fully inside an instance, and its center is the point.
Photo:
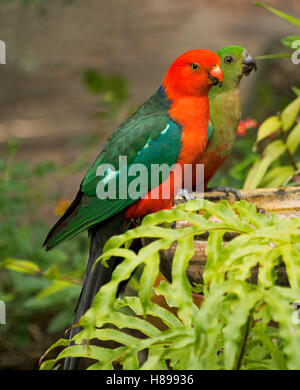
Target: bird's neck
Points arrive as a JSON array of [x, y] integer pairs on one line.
[[192, 113], [189, 110]]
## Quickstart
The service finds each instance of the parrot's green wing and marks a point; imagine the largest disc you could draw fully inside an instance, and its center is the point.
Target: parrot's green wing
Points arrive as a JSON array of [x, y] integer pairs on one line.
[[148, 137], [210, 131]]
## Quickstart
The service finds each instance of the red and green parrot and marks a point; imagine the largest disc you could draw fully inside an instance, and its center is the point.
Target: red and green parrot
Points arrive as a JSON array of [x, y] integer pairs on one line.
[[225, 112], [169, 128]]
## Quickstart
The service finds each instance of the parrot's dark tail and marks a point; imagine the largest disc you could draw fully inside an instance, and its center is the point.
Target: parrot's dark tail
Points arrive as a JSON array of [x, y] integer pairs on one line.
[[95, 277]]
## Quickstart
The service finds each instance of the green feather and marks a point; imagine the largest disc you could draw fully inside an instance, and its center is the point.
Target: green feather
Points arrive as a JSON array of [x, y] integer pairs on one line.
[[210, 130], [224, 103], [148, 137]]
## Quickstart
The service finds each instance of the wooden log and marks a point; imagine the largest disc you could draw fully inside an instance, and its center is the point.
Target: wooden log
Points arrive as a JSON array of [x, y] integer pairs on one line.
[[281, 201], [285, 202]]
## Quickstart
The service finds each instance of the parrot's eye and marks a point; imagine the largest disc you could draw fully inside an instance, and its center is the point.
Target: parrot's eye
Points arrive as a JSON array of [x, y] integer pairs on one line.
[[228, 59], [195, 66]]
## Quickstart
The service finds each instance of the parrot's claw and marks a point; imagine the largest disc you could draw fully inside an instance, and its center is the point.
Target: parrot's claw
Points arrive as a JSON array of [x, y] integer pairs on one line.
[[136, 221], [173, 225], [226, 190], [260, 210], [185, 194]]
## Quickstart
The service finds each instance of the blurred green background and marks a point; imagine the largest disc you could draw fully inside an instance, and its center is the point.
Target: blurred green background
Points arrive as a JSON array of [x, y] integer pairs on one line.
[[74, 71]]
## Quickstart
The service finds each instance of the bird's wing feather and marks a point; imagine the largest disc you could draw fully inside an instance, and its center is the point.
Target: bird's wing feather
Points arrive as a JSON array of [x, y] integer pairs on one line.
[[210, 131], [148, 137]]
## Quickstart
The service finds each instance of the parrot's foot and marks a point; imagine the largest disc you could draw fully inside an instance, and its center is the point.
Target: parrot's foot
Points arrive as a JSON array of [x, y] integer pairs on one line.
[[260, 210], [227, 191], [185, 194], [136, 221]]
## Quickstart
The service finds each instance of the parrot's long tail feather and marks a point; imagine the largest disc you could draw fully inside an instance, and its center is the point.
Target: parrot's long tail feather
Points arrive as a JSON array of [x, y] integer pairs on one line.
[[97, 276]]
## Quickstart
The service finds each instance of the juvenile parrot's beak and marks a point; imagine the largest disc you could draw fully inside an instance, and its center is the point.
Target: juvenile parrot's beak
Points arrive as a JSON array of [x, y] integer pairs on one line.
[[216, 76], [248, 64]]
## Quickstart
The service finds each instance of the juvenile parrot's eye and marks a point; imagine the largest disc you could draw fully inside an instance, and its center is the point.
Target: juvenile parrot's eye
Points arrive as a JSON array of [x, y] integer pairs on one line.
[[194, 66], [228, 59]]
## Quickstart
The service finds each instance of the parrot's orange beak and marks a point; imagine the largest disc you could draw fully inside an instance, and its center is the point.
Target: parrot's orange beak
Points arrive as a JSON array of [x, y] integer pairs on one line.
[[216, 75]]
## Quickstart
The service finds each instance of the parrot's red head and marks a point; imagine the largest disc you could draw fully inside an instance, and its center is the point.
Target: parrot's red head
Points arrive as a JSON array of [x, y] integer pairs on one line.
[[193, 73]]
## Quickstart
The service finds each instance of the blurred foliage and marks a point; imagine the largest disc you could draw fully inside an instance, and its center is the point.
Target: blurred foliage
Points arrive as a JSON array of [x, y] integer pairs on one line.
[[277, 140], [23, 190], [278, 136], [238, 326], [111, 90], [286, 41]]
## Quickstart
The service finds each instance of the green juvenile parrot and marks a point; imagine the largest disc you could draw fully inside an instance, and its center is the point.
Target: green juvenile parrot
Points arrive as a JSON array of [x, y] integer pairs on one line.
[[225, 112]]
